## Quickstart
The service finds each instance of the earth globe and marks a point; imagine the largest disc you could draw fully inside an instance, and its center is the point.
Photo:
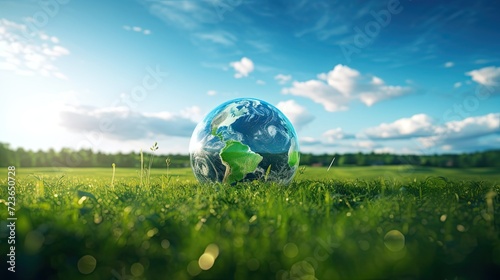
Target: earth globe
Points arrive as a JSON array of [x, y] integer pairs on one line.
[[244, 139]]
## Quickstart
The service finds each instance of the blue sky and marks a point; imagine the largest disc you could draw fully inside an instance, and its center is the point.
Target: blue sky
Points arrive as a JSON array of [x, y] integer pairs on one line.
[[385, 76]]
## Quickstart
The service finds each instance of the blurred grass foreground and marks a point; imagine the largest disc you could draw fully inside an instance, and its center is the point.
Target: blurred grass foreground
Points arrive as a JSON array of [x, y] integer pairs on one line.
[[349, 223]]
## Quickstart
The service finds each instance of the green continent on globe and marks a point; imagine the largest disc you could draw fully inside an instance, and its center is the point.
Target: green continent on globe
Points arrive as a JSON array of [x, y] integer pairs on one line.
[[293, 155], [239, 161], [293, 158]]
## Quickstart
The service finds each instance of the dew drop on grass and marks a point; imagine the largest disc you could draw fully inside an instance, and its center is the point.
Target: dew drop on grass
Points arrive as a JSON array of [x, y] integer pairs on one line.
[[394, 240]]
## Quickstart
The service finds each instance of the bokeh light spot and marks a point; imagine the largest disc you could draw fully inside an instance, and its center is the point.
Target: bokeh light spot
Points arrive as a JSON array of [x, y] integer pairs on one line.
[[137, 269], [33, 242], [87, 264], [213, 250], [165, 243], [193, 269], [206, 261], [394, 240], [290, 250]]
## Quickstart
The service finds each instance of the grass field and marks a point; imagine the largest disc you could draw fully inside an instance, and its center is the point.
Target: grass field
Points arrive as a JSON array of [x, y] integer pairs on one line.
[[348, 223]]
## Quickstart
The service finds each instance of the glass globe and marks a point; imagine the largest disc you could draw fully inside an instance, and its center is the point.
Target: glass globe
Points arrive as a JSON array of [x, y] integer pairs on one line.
[[244, 139]]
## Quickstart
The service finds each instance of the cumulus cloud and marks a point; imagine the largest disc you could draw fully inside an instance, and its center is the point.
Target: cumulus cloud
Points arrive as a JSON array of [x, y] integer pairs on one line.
[[449, 64], [430, 134], [242, 67], [283, 79], [416, 134], [470, 127], [487, 76], [335, 134], [124, 124], [343, 85], [416, 126], [211, 92], [35, 56], [297, 114], [467, 135]]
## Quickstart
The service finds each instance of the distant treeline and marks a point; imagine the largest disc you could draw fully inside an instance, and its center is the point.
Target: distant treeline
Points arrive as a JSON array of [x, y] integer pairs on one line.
[[88, 158]]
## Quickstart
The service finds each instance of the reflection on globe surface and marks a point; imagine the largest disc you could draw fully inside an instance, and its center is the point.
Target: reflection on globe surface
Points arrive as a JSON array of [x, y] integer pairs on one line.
[[244, 139]]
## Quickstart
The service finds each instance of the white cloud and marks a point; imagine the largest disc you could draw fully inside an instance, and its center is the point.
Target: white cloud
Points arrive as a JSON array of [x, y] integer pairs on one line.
[[297, 114], [243, 67], [464, 133], [137, 29], [449, 64], [341, 141], [470, 134], [217, 37], [384, 150], [193, 113], [457, 85], [364, 144], [470, 127], [29, 57], [184, 14], [335, 134], [487, 76], [416, 126], [283, 79], [341, 78], [309, 141], [211, 92], [320, 93], [342, 85], [125, 124], [416, 134], [260, 82]]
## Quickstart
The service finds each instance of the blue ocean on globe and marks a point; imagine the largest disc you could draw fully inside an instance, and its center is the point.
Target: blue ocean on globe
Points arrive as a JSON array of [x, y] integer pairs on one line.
[[244, 139]]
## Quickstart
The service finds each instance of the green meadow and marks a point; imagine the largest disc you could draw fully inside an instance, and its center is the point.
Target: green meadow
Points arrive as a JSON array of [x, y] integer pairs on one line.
[[378, 222]]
